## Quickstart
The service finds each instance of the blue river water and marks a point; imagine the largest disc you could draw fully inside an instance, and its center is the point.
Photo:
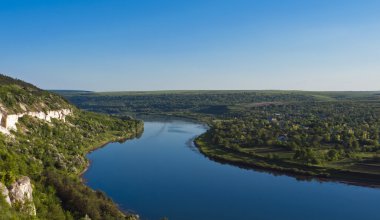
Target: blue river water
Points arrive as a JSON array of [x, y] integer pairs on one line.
[[162, 174]]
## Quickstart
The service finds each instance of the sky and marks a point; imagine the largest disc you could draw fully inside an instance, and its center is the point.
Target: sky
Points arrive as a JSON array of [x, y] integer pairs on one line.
[[135, 45]]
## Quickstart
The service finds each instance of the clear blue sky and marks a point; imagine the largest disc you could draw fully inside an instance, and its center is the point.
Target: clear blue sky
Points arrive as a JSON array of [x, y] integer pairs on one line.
[[108, 45]]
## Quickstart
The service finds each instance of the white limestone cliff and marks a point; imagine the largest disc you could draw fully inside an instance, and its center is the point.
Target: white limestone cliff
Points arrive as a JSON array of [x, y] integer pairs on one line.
[[9, 122]]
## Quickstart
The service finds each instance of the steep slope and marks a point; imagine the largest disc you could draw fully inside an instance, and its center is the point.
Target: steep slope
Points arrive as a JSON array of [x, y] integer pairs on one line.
[[17, 96], [43, 143]]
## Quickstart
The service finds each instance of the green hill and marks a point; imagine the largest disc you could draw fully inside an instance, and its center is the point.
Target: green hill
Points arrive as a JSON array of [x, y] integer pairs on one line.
[[52, 154], [14, 94]]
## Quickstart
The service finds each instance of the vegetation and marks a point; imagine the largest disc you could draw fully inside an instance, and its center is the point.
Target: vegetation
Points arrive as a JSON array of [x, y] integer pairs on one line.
[[326, 134], [187, 102], [53, 154], [17, 96]]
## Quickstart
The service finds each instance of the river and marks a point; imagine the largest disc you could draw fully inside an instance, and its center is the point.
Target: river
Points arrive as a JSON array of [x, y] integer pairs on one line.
[[162, 174]]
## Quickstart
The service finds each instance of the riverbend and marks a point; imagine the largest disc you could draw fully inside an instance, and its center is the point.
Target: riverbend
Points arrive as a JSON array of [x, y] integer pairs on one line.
[[162, 174]]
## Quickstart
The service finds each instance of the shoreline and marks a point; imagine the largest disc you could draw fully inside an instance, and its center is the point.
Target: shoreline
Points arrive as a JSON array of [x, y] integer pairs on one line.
[[131, 214], [88, 161], [330, 175], [100, 145], [334, 176]]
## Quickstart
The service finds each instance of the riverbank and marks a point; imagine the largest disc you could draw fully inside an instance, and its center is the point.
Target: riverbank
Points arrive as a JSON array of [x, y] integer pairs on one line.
[[161, 174], [278, 167], [98, 145]]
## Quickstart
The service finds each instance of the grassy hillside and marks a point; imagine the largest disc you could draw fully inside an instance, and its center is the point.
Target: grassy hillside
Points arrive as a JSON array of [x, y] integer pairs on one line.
[[53, 154], [16, 96]]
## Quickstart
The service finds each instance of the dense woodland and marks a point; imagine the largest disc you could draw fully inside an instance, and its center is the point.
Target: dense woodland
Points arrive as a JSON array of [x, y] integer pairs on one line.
[[53, 155], [315, 132], [330, 130], [174, 102]]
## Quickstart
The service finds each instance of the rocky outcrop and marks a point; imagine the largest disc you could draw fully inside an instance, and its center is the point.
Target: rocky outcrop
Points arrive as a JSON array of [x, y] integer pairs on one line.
[[5, 193], [21, 195], [9, 122]]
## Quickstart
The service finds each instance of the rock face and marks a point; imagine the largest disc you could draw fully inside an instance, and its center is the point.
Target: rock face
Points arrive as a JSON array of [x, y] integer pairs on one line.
[[5, 193], [20, 194], [8, 122]]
